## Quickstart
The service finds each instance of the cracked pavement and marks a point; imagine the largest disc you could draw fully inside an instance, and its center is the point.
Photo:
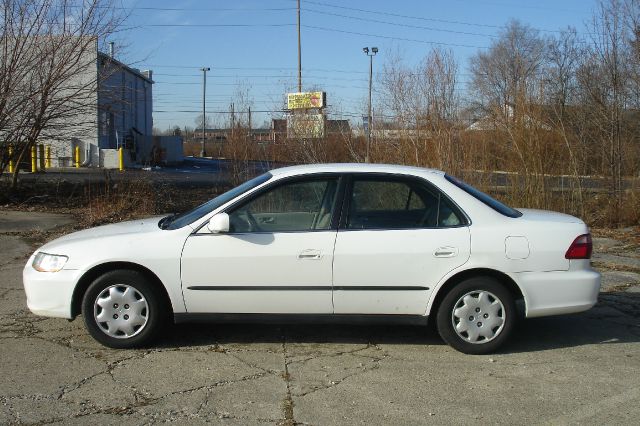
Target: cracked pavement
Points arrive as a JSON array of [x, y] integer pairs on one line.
[[561, 370]]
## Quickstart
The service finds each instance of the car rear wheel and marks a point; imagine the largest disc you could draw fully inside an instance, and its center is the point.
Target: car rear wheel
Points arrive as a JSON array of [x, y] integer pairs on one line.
[[121, 309], [476, 316]]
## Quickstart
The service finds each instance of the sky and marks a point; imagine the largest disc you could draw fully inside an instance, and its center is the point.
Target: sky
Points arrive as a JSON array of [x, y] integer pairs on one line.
[[251, 46]]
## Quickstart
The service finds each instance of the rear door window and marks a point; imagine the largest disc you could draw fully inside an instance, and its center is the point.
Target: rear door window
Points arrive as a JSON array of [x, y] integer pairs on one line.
[[397, 203]]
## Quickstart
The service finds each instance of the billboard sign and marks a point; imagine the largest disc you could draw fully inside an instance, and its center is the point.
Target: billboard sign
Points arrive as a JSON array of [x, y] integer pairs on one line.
[[306, 100], [305, 126]]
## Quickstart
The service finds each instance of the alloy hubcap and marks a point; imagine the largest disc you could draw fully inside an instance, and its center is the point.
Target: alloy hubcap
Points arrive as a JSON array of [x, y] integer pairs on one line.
[[121, 311], [478, 317]]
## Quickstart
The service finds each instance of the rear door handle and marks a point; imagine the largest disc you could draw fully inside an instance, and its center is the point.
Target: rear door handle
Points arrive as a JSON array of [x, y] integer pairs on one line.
[[446, 252], [310, 254]]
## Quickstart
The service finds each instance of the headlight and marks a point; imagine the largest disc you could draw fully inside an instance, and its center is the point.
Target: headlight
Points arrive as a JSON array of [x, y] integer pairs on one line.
[[45, 262]]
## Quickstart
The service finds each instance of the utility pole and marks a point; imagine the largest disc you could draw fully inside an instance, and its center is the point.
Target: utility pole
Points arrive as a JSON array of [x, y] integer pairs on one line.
[[249, 123], [374, 50], [299, 53], [203, 151]]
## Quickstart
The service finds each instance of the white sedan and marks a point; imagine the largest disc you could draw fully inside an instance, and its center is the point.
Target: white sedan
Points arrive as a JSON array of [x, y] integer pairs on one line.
[[333, 242]]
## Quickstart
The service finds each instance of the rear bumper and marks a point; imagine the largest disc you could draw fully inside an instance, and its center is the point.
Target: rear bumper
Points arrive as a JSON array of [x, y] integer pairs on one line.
[[49, 293], [558, 292]]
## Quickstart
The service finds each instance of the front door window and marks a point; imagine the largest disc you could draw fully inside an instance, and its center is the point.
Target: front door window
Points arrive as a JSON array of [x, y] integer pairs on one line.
[[291, 207]]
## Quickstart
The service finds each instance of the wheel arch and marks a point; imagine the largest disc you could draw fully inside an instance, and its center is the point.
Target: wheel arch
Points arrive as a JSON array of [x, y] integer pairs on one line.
[[457, 278], [88, 277]]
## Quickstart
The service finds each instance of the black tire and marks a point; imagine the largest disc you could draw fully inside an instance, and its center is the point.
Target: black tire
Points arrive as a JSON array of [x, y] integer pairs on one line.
[[488, 303], [145, 305]]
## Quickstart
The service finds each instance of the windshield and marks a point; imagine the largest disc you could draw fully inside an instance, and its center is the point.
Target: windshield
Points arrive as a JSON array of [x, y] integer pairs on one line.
[[182, 219], [486, 199]]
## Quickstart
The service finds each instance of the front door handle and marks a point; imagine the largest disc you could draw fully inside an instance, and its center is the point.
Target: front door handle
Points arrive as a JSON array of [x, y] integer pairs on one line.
[[310, 254], [446, 252]]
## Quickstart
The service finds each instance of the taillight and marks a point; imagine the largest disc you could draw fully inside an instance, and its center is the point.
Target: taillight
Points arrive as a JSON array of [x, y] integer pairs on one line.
[[580, 248]]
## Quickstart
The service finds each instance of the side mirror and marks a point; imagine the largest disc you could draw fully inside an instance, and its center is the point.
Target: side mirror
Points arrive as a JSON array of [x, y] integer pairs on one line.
[[219, 223]]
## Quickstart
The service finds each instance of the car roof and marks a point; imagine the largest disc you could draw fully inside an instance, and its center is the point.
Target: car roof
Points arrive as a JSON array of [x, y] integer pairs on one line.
[[352, 168]]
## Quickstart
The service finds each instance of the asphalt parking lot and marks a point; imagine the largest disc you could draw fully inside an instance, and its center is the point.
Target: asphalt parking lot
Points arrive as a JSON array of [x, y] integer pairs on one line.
[[579, 369]]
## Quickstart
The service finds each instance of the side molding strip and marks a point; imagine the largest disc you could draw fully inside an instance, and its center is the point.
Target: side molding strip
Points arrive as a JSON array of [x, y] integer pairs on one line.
[[303, 288]]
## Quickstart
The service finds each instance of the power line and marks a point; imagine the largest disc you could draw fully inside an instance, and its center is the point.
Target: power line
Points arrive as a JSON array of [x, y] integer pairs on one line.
[[335, 30], [221, 68], [208, 96], [283, 76], [208, 9], [421, 18], [189, 9], [376, 12], [215, 112], [305, 26], [183, 83], [189, 103], [393, 38], [525, 6], [272, 69], [287, 77], [257, 68], [212, 25], [397, 24], [199, 84]]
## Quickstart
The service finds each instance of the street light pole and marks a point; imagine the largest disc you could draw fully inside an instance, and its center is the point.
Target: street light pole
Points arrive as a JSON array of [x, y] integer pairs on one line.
[[204, 70], [374, 50]]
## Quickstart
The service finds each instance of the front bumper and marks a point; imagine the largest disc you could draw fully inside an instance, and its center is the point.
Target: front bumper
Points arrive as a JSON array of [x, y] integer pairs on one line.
[[49, 293], [559, 292]]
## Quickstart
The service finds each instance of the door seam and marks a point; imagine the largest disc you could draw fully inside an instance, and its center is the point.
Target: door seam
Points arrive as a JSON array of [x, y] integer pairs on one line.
[[333, 259]]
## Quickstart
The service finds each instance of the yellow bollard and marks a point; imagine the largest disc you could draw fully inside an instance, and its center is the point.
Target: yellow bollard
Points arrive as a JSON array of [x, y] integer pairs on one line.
[[47, 157], [120, 159], [41, 155], [34, 159], [11, 170], [77, 156]]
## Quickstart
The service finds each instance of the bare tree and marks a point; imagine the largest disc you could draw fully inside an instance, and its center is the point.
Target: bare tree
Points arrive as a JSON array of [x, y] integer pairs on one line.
[[605, 83], [439, 88], [565, 55], [208, 123], [506, 75], [506, 80], [47, 51], [424, 103]]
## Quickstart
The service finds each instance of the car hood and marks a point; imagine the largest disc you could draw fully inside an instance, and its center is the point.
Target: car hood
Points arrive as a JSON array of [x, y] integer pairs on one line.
[[547, 216], [123, 228]]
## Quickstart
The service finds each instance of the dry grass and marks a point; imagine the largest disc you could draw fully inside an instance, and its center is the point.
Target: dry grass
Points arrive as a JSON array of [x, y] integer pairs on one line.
[[125, 200], [94, 204], [134, 197]]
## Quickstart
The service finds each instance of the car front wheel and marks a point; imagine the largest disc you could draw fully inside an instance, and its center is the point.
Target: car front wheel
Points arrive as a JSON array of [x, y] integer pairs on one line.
[[121, 309], [476, 316]]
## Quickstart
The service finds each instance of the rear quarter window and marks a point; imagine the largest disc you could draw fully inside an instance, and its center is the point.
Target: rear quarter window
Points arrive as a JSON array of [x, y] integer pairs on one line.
[[496, 205]]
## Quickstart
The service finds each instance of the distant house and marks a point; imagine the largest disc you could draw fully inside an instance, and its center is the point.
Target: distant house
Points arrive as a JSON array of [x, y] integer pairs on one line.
[[261, 135], [534, 117]]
